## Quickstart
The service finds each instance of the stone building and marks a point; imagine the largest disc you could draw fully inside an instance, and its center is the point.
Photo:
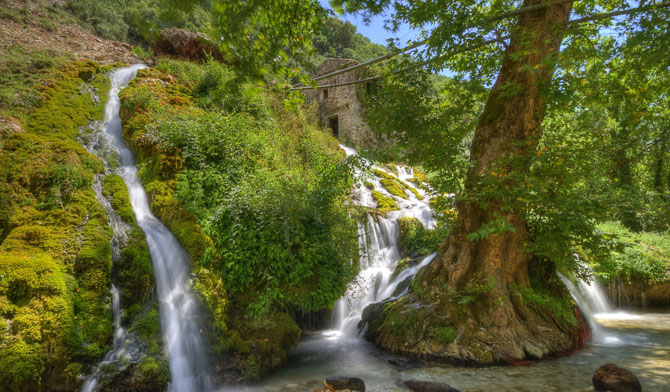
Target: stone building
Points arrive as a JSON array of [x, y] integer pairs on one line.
[[338, 107]]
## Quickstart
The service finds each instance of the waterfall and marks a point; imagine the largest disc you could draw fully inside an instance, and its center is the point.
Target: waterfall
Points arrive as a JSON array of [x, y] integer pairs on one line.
[[593, 303], [589, 295], [178, 307], [379, 253]]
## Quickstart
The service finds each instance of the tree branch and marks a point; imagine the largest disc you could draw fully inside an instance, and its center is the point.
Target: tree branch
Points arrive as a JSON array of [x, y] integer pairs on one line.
[[484, 43]]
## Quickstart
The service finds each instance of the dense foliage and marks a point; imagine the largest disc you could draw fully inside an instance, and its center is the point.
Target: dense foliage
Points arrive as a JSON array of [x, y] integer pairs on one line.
[[254, 192], [136, 21]]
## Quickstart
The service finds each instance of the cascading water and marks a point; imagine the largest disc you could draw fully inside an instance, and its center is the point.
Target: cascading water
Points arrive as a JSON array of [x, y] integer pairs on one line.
[[593, 303], [119, 349], [379, 253], [179, 309]]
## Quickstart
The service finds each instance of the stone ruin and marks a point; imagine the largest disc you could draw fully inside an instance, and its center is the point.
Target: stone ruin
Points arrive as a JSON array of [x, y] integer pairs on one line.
[[339, 107]]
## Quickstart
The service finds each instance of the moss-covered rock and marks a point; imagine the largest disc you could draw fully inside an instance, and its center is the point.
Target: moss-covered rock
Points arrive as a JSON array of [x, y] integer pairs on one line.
[[384, 203], [116, 192], [55, 259], [394, 187]]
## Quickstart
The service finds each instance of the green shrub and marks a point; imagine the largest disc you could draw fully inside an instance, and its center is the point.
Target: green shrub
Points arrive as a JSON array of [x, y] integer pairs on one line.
[[103, 16], [414, 238], [635, 257]]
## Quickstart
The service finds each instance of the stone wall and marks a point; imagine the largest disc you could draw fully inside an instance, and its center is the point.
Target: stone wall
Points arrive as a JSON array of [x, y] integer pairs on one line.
[[339, 107]]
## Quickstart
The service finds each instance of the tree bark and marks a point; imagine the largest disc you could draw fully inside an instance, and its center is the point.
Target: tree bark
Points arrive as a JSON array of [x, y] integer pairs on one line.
[[471, 291]]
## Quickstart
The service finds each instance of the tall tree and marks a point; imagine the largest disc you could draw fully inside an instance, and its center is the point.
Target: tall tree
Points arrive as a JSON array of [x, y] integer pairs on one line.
[[487, 296]]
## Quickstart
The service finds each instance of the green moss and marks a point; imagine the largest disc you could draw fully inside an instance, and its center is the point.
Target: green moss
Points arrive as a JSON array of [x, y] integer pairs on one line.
[[25, 73], [134, 271], [369, 185], [445, 335], [561, 307], [152, 374], [265, 343], [54, 255], [394, 187], [384, 203], [401, 266], [418, 195], [115, 190], [383, 174]]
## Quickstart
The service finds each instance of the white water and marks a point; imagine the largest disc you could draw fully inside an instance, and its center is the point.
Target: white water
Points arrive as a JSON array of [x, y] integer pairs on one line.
[[379, 253], [594, 305], [179, 309], [118, 350]]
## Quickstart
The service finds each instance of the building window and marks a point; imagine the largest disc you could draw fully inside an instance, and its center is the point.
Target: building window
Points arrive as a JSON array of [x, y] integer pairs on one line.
[[333, 124], [325, 94]]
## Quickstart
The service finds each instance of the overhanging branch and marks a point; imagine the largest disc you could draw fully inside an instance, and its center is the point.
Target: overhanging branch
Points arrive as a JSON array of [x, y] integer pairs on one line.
[[484, 43]]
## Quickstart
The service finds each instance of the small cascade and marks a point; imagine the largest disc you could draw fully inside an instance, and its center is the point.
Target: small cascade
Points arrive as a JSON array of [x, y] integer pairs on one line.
[[379, 253], [406, 273], [119, 349], [179, 309], [121, 346], [596, 296], [593, 303]]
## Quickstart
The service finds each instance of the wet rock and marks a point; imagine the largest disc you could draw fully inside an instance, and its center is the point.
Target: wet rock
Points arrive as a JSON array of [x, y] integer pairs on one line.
[[428, 386], [344, 383], [402, 286], [639, 294], [185, 44], [402, 363], [371, 313], [610, 377]]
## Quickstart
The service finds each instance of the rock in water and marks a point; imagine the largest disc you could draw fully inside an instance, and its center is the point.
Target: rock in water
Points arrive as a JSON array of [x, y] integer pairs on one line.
[[344, 383], [428, 386], [610, 377]]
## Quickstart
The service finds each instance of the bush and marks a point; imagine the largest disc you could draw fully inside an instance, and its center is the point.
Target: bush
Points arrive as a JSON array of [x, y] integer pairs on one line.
[[413, 238], [636, 257], [103, 16]]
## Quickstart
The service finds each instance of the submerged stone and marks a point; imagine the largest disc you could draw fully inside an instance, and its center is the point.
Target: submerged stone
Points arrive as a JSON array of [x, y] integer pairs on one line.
[[428, 386], [610, 377], [344, 383]]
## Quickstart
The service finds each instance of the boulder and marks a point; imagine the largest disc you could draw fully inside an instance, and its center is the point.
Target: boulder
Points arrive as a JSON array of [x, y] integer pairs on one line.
[[185, 44], [428, 386], [344, 383], [10, 126], [610, 377]]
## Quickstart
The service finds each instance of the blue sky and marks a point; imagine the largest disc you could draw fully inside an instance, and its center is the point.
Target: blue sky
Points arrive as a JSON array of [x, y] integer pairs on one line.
[[375, 29]]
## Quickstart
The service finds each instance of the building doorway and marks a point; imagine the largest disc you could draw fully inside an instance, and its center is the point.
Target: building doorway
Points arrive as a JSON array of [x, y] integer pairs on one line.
[[333, 124]]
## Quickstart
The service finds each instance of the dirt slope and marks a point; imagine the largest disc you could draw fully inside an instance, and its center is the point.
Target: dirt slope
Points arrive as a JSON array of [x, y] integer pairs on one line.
[[27, 25]]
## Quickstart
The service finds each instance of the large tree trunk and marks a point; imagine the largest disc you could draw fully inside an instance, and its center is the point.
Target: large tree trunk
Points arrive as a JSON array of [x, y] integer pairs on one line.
[[475, 302]]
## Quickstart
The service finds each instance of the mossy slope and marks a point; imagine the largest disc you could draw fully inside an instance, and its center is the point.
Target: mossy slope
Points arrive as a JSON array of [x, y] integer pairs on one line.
[[55, 258]]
